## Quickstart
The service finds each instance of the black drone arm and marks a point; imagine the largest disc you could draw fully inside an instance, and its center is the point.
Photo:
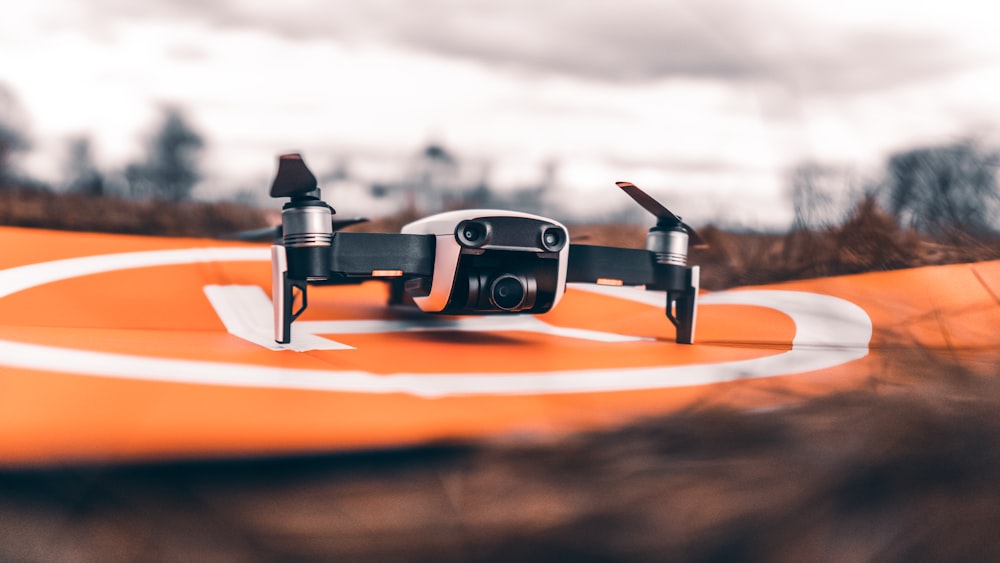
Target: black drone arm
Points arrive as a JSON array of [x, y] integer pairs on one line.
[[608, 265], [349, 258], [377, 255], [617, 266]]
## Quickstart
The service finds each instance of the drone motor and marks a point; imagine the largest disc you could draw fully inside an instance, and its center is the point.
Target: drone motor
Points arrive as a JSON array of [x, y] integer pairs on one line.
[[670, 245], [308, 231]]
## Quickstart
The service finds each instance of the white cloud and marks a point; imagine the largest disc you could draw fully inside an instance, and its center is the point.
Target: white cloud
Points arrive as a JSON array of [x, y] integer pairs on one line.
[[842, 46], [710, 98]]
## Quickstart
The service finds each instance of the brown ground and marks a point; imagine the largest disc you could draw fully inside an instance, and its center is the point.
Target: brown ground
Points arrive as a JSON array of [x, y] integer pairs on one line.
[[896, 471]]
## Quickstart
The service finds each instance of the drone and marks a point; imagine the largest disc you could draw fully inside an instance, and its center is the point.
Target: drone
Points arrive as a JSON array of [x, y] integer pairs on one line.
[[468, 262]]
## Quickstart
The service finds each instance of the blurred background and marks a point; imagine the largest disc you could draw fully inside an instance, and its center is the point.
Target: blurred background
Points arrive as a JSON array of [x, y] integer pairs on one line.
[[722, 109], [802, 139]]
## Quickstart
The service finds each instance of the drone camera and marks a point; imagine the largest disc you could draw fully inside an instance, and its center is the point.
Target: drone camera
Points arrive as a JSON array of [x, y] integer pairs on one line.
[[507, 292], [511, 288]]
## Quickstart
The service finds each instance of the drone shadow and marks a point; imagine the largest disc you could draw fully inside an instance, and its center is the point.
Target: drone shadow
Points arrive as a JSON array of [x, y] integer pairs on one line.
[[462, 337]]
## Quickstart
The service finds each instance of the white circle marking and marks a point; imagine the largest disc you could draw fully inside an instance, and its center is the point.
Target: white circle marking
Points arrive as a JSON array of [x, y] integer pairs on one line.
[[829, 331]]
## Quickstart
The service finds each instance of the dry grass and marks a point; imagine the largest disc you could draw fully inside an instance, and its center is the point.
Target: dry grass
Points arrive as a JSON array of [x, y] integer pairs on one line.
[[26, 207], [869, 240]]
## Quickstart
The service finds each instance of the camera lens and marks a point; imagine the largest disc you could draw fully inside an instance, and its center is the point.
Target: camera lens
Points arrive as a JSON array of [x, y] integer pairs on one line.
[[471, 233], [507, 292], [553, 239]]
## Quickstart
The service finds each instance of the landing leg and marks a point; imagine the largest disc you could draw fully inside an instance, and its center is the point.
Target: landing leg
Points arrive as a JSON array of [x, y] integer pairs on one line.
[[682, 307], [283, 296]]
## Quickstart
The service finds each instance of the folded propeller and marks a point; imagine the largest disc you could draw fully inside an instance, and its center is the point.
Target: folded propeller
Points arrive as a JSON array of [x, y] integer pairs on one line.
[[293, 178], [664, 217]]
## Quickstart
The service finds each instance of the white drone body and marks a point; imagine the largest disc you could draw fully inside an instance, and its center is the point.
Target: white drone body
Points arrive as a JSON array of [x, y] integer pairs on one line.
[[509, 247]]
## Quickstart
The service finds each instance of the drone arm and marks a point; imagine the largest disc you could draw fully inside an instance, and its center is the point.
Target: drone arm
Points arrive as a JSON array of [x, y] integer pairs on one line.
[[607, 265], [351, 257], [378, 255]]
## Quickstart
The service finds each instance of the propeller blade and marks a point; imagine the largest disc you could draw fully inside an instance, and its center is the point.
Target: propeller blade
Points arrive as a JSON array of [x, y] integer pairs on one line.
[[344, 223], [662, 214], [293, 177], [648, 203]]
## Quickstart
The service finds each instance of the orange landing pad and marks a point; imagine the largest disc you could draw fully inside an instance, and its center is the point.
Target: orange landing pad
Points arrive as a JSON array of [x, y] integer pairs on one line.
[[116, 348]]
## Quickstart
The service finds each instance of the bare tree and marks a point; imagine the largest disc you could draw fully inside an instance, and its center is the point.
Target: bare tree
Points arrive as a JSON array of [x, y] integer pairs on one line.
[[945, 189], [811, 201], [171, 167], [82, 175], [12, 136], [823, 195]]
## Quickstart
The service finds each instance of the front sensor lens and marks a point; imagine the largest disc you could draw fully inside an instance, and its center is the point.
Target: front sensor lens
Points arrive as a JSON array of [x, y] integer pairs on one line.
[[471, 233], [553, 239]]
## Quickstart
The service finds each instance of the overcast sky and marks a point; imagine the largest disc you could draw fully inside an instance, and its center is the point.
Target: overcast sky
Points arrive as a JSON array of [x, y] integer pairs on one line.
[[704, 103]]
